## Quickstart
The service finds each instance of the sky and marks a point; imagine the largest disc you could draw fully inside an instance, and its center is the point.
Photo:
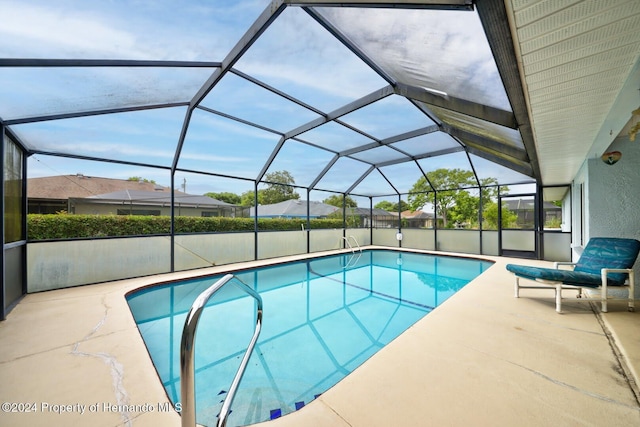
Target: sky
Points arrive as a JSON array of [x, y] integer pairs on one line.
[[442, 50]]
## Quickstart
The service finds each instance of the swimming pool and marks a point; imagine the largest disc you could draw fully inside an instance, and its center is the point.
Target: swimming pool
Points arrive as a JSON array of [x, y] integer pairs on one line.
[[323, 317]]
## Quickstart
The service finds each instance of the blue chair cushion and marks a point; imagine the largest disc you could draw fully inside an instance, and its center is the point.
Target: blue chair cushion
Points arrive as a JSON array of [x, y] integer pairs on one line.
[[567, 277], [608, 252], [600, 252]]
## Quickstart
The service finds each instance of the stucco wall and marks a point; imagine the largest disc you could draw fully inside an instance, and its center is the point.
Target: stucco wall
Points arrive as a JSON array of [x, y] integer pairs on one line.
[[614, 195], [62, 264]]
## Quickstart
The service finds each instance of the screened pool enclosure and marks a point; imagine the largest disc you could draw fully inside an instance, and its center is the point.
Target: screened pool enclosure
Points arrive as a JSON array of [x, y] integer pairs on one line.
[[370, 101]]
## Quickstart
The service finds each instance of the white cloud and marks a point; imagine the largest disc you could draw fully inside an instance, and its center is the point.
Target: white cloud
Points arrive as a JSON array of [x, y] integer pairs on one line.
[[158, 30], [108, 150], [32, 28], [213, 158], [442, 50], [298, 56]]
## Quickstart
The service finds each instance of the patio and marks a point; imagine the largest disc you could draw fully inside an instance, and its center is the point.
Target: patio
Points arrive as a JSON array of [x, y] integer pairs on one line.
[[482, 358]]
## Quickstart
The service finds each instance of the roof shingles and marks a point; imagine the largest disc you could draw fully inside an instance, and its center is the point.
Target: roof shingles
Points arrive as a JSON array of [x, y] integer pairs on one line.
[[80, 186]]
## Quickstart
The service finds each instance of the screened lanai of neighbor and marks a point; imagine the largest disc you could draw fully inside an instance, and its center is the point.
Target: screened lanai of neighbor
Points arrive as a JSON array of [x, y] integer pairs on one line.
[[144, 141]]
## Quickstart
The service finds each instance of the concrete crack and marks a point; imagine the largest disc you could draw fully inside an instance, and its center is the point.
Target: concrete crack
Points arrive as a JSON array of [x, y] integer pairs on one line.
[[115, 367], [572, 387], [622, 364], [561, 383]]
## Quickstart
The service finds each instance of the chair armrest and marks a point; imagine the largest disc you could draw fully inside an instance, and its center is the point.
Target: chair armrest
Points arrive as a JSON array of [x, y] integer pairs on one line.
[[605, 271], [616, 270], [559, 263]]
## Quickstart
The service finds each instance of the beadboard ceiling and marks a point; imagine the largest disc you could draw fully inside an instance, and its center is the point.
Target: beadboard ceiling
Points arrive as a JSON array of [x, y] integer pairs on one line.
[[580, 64]]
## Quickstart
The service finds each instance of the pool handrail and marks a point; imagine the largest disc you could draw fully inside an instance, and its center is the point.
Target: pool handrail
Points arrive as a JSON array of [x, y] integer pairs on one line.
[[187, 371], [349, 243], [353, 260]]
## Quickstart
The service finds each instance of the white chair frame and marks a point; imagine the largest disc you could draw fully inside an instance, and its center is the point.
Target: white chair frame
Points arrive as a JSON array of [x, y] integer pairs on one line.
[[559, 286]]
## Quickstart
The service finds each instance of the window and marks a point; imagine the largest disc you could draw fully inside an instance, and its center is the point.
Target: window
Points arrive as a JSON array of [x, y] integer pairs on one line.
[[152, 212], [13, 197]]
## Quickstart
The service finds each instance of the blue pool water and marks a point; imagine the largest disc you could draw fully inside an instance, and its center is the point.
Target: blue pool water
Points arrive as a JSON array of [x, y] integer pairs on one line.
[[322, 318]]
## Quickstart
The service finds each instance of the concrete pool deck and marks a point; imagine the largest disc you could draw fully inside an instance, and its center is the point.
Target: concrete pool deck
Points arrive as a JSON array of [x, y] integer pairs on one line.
[[74, 357]]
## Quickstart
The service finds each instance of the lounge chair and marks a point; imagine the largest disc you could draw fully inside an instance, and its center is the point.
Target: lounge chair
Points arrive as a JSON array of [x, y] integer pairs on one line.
[[604, 262]]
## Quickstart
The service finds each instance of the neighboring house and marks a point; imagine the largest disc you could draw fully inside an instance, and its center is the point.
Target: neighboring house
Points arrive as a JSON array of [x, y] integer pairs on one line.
[[293, 208], [379, 217], [83, 194], [417, 219], [524, 208], [136, 202]]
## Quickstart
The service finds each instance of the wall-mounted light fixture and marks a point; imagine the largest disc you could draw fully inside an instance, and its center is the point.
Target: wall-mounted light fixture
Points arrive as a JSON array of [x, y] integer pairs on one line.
[[612, 157]]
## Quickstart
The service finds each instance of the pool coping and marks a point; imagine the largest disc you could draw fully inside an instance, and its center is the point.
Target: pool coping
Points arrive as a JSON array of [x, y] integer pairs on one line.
[[60, 338]]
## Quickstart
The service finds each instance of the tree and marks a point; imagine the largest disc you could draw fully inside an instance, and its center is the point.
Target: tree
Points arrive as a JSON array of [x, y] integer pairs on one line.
[[393, 207], [352, 219], [279, 188], [490, 217], [490, 190], [465, 209], [336, 200], [140, 179], [248, 198], [451, 181], [226, 196], [385, 205]]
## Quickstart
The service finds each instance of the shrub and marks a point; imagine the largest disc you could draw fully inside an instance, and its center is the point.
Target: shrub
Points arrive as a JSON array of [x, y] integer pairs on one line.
[[64, 226]]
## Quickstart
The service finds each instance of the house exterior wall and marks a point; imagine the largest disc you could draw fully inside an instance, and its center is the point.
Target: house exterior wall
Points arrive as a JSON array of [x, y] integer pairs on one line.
[[613, 196], [614, 193], [112, 209]]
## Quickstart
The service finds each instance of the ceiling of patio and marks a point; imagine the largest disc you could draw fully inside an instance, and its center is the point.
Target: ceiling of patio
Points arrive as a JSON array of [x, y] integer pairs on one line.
[[360, 97]]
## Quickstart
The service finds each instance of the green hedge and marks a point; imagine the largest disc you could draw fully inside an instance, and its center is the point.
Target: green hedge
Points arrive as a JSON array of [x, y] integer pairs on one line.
[[45, 227]]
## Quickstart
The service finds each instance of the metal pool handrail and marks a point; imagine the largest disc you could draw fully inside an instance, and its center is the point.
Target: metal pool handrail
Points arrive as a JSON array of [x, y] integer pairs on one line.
[[187, 381], [353, 260], [357, 244], [349, 243]]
